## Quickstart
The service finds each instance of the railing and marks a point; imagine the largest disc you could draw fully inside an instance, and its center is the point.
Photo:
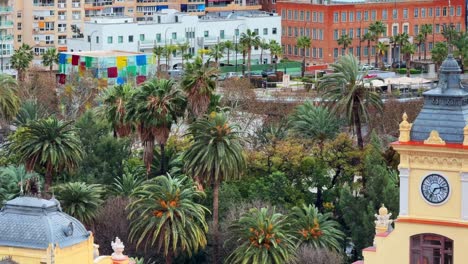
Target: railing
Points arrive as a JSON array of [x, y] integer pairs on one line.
[[6, 9], [4, 24]]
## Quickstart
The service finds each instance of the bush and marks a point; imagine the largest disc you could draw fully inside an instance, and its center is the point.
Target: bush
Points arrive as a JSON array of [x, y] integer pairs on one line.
[[309, 255]]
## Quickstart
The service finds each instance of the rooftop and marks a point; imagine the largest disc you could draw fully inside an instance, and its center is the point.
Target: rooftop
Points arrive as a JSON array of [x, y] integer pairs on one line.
[[103, 53]]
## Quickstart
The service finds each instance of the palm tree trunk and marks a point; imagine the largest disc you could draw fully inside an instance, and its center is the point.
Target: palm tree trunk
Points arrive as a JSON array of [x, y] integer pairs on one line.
[[425, 46], [228, 53], [318, 201], [368, 52], [159, 67], [357, 127], [249, 57], [183, 60], [419, 52], [148, 154], [303, 66], [408, 61], [215, 220], [162, 170], [48, 177], [376, 57], [169, 258], [243, 62]]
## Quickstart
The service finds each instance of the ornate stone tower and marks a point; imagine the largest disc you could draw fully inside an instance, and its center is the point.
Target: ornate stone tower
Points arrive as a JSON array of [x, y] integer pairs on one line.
[[432, 225]]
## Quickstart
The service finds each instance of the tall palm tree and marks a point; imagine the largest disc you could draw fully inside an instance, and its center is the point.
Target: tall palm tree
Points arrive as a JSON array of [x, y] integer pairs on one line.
[[114, 108], [439, 53], [419, 41], [276, 51], [169, 50], [345, 40], [183, 48], [408, 50], [377, 28], [228, 45], [165, 214], [9, 100], [199, 84], [381, 49], [303, 43], [404, 38], [368, 38], [50, 58], [265, 237], [158, 51], [394, 40], [50, 143], [216, 52], [216, 155], [450, 34], [80, 200], [263, 45], [316, 229], [21, 59], [154, 107], [426, 29], [345, 87], [249, 39]]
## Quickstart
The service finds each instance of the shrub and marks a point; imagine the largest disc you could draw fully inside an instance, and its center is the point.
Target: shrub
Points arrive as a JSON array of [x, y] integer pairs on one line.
[[309, 255]]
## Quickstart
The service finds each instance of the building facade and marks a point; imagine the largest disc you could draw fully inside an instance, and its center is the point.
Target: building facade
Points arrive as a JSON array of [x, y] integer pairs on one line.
[[6, 36], [325, 22], [172, 27]]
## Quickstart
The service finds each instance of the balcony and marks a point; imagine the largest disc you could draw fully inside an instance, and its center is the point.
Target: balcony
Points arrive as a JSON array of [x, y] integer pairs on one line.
[[61, 5], [6, 38], [6, 24], [6, 10]]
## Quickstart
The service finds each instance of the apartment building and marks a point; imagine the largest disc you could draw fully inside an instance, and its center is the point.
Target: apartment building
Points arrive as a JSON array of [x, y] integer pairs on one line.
[[6, 36], [325, 21]]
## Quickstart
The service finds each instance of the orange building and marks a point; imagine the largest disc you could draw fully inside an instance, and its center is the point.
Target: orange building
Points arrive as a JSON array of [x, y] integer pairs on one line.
[[325, 21]]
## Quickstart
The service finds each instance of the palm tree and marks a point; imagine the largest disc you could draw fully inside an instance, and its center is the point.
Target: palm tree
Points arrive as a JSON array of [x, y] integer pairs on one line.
[[249, 39], [450, 34], [167, 53], [154, 107], [419, 41], [265, 237], [345, 87], [114, 108], [426, 29], [394, 40], [50, 143], [316, 229], [377, 28], [439, 53], [199, 84], [216, 52], [303, 43], [30, 110], [9, 100], [408, 50], [381, 49], [263, 45], [345, 41], [80, 200], [165, 214], [404, 38], [462, 47], [228, 45], [50, 58], [216, 155], [158, 51], [368, 37], [276, 51], [127, 183], [13, 181], [183, 48], [21, 59]]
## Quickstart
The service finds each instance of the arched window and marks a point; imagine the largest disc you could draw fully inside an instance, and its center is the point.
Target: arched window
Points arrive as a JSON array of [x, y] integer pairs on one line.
[[431, 249]]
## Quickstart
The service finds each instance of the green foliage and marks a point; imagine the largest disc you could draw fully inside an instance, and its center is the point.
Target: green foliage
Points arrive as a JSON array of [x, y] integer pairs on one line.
[[50, 58], [114, 108], [439, 52], [316, 229], [21, 59], [165, 215], [9, 100], [30, 110], [127, 183], [265, 237], [80, 200], [13, 179]]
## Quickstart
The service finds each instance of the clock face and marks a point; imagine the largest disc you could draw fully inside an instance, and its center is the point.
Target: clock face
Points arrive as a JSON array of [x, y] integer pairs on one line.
[[435, 189]]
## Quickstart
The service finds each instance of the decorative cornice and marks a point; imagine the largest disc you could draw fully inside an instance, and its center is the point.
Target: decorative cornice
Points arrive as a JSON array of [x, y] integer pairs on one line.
[[434, 139]]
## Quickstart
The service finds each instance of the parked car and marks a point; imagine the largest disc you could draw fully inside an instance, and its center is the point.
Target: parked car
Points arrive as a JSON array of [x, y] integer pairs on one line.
[[399, 64], [230, 75], [267, 72], [366, 67]]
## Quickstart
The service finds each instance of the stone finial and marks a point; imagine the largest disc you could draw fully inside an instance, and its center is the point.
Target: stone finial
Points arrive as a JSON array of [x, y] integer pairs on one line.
[[434, 139], [118, 248], [383, 221], [465, 135], [405, 129]]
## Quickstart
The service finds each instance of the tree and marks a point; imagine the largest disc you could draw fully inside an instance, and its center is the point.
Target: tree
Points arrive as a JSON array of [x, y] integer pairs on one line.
[[462, 47], [164, 214], [21, 59], [345, 87], [419, 42], [276, 51], [381, 49], [316, 229], [408, 50], [216, 155], [30, 110], [114, 108], [158, 51], [154, 107], [426, 29], [9, 100], [216, 52], [228, 45], [368, 37], [199, 84], [50, 143], [50, 58], [303, 43], [13, 180], [450, 34], [183, 48], [249, 39], [345, 40], [263, 45], [168, 51], [439, 53], [403, 39], [80, 200], [265, 237], [394, 41], [377, 28]]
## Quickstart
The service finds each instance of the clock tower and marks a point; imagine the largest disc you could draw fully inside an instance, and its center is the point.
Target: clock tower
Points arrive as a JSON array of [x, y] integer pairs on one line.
[[432, 225]]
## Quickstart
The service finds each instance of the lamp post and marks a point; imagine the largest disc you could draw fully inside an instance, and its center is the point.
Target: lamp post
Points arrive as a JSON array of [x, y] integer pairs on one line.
[[91, 39]]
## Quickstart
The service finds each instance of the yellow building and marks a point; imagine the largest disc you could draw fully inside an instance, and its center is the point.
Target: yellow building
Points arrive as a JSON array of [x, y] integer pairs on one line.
[[432, 225]]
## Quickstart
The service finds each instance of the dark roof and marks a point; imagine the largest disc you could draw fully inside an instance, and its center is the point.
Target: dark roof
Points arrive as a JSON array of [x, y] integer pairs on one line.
[[445, 107], [30, 222]]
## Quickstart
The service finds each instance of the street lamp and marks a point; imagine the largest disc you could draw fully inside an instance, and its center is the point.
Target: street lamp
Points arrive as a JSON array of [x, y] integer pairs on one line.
[[91, 39], [235, 35]]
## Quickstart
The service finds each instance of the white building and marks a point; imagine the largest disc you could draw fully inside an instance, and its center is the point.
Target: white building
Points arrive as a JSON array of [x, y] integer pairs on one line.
[[6, 37], [172, 27]]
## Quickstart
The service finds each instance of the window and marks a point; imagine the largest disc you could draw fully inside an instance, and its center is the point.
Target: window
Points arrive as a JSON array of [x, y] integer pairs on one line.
[[395, 30], [444, 11], [351, 16], [358, 32], [430, 11], [358, 51], [405, 29], [130, 39], [273, 31], [19, 26], [358, 16], [296, 32], [423, 12], [109, 40], [335, 34], [308, 15], [373, 15], [384, 14], [416, 30], [373, 51], [458, 27], [416, 12], [425, 247], [314, 16], [19, 15], [437, 28], [301, 16], [458, 10], [405, 13], [142, 37], [343, 51], [335, 17], [343, 16], [430, 45], [256, 31], [221, 34], [97, 39], [320, 53], [289, 32], [206, 33], [452, 11], [314, 33], [437, 12], [395, 13], [366, 15], [335, 53], [321, 17], [283, 14], [343, 32], [295, 15], [301, 32], [120, 39], [351, 33], [236, 32], [289, 15], [19, 38]]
